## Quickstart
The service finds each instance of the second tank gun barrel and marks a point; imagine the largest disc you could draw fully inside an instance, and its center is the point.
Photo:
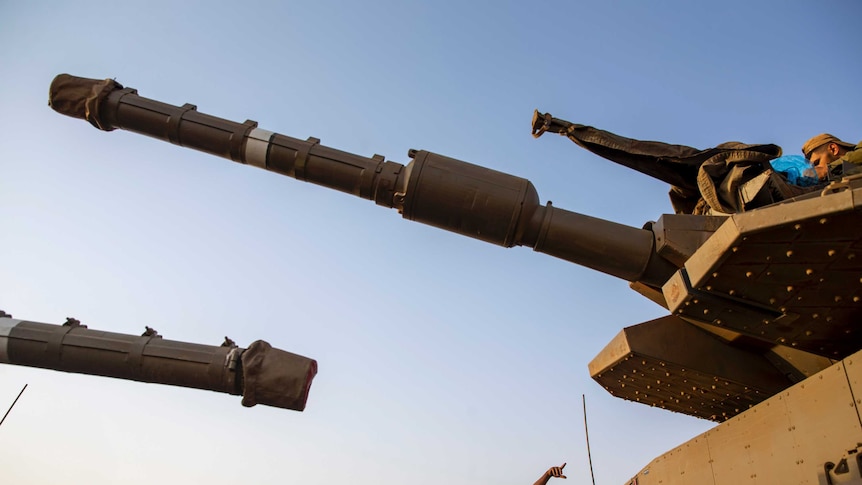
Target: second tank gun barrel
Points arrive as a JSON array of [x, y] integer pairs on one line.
[[451, 194], [260, 373]]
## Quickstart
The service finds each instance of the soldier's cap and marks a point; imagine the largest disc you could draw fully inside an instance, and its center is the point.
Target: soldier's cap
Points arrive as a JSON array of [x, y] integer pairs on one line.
[[822, 139]]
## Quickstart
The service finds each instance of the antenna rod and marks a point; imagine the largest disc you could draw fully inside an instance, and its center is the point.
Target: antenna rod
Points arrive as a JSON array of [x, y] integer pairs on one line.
[[587, 433], [13, 404]]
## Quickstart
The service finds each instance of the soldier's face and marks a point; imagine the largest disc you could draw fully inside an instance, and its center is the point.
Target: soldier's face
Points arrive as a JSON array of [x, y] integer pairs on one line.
[[821, 157]]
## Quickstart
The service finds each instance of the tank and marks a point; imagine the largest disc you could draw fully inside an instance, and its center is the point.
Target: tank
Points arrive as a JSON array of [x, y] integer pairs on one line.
[[260, 373], [761, 281]]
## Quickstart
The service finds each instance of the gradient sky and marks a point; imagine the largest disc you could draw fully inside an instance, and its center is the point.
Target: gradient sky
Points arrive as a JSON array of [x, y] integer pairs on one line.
[[442, 359]]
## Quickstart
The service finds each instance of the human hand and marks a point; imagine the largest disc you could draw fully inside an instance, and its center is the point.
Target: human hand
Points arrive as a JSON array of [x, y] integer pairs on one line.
[[556, 471]]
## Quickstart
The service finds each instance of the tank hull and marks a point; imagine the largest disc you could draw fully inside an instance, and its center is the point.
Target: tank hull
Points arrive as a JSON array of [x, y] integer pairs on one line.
[[809, 433]]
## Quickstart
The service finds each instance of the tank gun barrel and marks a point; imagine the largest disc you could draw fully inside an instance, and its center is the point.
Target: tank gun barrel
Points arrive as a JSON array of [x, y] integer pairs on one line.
[[260, 373], [433, 189]]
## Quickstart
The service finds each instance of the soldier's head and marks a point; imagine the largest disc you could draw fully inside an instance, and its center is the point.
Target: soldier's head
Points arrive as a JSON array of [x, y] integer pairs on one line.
[[824, 149]]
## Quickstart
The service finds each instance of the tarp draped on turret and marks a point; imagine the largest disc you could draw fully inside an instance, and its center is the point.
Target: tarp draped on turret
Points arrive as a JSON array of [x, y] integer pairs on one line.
[[702, 181]]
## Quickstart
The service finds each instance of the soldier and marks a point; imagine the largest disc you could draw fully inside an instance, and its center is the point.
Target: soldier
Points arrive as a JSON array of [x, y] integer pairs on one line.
[[554, 471], [832, 157]]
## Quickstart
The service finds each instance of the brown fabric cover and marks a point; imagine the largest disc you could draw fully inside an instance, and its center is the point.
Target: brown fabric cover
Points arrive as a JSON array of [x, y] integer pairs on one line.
[[720, 176], [276, 378], [80, 97]]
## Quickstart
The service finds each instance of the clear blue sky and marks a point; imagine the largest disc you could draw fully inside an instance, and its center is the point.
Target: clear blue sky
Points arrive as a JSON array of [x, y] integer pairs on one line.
[[442, 359]]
